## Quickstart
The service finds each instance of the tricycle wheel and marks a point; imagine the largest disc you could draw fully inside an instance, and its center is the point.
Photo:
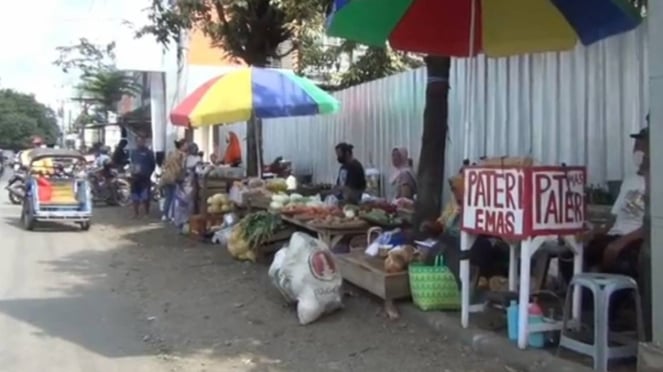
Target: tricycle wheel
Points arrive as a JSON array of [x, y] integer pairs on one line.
[[14, 199], [85, 226], [26, 217]]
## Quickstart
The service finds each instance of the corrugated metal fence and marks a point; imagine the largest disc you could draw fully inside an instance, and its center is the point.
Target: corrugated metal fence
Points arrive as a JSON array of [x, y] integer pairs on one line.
[[576, 107]]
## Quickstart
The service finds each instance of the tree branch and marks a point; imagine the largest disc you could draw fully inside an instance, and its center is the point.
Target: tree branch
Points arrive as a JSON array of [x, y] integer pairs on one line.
[[290, 50]]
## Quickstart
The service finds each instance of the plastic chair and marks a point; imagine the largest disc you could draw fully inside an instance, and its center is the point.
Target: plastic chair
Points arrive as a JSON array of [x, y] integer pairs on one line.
[[602, 286]]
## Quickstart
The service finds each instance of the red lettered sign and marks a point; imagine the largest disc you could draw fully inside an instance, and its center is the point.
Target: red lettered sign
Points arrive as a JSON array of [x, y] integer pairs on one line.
[[493, 202], [558, 200]]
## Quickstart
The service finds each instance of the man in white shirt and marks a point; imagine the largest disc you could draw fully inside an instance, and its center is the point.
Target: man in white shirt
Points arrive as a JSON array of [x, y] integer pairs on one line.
[[615, 247]]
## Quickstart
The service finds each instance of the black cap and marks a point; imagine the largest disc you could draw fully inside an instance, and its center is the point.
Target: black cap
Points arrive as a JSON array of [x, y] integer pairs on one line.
[[344, 147], [642, 134]]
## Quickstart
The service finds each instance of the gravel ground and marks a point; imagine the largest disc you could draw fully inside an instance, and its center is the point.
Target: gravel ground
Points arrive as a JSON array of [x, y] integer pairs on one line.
[[202, 311]]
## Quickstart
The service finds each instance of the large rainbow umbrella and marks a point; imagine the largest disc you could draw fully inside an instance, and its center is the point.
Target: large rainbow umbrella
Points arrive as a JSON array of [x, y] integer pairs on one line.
[[245, 92], [494, 27]]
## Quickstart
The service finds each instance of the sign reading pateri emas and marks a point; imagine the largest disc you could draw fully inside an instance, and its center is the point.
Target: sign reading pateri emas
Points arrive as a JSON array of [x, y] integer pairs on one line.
[[518, 202]]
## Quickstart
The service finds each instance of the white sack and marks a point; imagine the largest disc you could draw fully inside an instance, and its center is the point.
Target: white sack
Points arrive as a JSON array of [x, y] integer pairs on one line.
[[305, 272]]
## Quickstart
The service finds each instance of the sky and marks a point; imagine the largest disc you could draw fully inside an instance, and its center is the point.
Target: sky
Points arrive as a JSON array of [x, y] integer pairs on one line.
[[29, 35]]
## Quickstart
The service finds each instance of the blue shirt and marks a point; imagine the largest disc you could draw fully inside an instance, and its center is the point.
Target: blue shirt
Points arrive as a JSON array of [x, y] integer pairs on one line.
[[142, 162]]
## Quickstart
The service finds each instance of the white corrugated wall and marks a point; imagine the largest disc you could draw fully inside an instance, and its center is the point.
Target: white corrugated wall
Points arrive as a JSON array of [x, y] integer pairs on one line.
[[576, 107]]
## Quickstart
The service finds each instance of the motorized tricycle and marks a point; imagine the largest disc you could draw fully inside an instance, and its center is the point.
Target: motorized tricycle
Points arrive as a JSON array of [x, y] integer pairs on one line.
[[56, 189]]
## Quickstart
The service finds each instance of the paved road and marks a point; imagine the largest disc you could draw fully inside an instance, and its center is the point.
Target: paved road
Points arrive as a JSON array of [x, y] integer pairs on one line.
[[135, 296], [51, 319]]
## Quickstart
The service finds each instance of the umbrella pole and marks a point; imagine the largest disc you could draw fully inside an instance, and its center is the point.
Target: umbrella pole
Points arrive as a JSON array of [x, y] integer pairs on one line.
[[258, 131]]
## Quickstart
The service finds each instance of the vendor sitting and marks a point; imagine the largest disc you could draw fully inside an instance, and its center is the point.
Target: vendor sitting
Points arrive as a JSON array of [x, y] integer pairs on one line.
[[403, 180], [488, 258], [233, 154], [615, 248]]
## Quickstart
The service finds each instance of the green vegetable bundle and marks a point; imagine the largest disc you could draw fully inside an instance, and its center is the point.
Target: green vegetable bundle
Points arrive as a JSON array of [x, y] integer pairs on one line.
[[259, 227]]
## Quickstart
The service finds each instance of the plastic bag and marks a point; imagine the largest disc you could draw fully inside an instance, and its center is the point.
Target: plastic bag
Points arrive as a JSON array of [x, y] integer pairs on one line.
[[222, 236], [304, 271], [331, 201], [236, 194]]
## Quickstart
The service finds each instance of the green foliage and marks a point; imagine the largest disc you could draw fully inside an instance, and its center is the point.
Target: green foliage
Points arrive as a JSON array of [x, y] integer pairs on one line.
[[323, 63], [377, 63], [106, 87], [253, 30], [101, 86], [85, 57], [249, 30], [22, 117]]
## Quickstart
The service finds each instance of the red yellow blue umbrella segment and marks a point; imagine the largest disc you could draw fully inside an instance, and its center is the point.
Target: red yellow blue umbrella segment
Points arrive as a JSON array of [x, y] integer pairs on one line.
[[263, 92], [459, 28]]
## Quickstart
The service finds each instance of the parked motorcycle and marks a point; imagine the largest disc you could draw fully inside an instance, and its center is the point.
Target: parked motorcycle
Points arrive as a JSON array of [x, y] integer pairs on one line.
[[155, 189], [16, 186], [109, 187]]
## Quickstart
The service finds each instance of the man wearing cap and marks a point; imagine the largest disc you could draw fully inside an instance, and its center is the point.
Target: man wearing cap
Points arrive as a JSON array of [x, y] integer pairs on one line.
[[351, 181], [615, 247]]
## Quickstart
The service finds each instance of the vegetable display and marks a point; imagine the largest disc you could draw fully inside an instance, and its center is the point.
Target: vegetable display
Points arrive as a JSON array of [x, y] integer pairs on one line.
[[219, 203], [381, 218], [259, 227], [276, 185], [281, 201], [251, 232]]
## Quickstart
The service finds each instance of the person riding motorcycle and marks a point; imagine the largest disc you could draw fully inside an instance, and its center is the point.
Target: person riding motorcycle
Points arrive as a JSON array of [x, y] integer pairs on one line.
[[103, 165], [44, 165]]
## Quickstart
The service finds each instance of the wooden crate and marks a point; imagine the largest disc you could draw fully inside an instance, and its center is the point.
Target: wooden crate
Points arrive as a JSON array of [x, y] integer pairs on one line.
[[208, 186], [368, 273], [274, 243]]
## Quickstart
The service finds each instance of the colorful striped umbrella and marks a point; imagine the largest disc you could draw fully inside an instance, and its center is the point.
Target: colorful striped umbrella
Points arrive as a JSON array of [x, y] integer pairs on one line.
[[496, 27], [263, 92]]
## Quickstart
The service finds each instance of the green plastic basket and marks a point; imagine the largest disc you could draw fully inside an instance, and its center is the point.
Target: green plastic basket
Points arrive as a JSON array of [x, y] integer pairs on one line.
[[433, 287]]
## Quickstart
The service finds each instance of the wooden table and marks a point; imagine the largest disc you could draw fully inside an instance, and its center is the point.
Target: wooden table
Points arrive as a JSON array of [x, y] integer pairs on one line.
[[361, 270], [330, 236], [273, 244]]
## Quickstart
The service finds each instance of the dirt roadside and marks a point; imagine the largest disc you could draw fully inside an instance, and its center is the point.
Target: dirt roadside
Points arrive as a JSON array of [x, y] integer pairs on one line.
[[204, 311]]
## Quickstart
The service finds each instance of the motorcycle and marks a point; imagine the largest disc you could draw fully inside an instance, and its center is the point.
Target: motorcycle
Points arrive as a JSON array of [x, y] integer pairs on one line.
[[155, 190], [16, 185], [109, 187]]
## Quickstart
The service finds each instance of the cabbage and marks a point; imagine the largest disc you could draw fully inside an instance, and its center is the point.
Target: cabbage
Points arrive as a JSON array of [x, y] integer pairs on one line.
[[294, 197], [280, 198], [274, 205]]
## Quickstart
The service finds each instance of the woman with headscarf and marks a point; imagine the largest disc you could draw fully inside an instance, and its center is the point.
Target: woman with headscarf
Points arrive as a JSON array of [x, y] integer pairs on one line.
[[403, 180], [173, 173], [184, 202], [233, 155]]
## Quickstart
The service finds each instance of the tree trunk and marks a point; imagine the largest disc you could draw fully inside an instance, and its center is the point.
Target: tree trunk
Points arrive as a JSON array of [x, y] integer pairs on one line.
[[251, 148], [254, 142], [430, 175]]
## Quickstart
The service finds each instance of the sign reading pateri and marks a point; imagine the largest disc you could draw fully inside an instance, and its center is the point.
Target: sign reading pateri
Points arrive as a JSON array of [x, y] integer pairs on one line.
[[518, 202]]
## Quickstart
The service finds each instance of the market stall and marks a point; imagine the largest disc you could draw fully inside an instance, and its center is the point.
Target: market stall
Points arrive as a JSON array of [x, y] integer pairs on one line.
[[215, 180], [525, 205], [377, 264]]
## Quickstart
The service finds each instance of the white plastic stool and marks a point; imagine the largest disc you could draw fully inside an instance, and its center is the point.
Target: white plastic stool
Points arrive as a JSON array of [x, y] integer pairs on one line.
[[602, 287]]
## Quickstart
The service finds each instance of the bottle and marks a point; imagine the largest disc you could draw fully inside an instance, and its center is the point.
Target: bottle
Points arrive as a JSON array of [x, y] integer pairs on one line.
[[536, 340], [512, 320]]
